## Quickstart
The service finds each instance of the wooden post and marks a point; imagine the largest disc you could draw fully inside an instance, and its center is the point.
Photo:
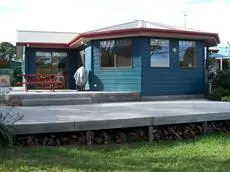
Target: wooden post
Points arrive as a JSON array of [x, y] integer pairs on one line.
[[205, 127], [89, 136], [150, 133]]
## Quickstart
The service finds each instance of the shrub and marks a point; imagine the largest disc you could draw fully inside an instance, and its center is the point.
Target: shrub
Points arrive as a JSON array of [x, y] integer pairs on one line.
[[225, 99], [218, 93], [16, 77], [221, 85], [7, 120]]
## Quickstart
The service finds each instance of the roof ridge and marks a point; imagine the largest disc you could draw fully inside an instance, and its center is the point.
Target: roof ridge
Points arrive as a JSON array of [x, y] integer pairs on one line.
[[39, 31], [171, 26], [112, 26], [159, 24], [140, 23]]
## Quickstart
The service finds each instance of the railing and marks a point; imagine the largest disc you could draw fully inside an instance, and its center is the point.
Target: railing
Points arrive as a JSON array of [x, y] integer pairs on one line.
[[44, 80]]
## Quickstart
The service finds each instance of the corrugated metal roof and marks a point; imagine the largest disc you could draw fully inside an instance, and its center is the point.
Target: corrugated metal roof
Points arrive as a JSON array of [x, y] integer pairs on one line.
[[224, 50], [69, 37], [142, 24], [44, 36], [216, 55]]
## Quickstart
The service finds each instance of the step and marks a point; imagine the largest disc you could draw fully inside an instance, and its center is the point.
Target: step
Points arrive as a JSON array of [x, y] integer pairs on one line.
[[55, 101], [44, 96], [70, 98]]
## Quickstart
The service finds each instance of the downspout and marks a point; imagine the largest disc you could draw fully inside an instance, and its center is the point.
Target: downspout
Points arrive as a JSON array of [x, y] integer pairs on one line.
[[23, 65], [209, 80], [207, 88]]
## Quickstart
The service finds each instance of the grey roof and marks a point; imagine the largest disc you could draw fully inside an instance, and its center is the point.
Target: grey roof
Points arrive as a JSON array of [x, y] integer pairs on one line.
[[44, 36], [65, 37], [142, 24]]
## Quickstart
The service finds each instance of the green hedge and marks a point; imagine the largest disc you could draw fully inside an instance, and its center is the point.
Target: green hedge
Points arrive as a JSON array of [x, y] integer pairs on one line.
[[221, 86]]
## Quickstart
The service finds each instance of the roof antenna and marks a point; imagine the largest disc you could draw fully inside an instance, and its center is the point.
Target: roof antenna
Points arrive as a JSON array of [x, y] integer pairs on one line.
[[185, 19]]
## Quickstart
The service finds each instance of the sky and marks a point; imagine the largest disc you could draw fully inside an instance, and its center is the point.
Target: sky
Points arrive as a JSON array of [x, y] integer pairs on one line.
[[85, 15]]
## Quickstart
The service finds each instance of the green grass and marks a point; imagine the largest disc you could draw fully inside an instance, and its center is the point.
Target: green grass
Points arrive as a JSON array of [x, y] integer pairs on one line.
[[210, 153]]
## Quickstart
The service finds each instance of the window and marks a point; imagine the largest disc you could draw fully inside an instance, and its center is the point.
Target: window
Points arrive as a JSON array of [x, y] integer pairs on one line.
[[187, 54], [49, 62], [159, 53], [116, 53]]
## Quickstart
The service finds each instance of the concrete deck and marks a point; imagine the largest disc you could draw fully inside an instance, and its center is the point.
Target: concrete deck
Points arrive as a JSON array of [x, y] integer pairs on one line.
[[47, 119]]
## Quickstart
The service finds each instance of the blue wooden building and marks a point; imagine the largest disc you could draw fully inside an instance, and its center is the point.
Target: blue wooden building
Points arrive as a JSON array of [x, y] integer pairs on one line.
[[151, 58]]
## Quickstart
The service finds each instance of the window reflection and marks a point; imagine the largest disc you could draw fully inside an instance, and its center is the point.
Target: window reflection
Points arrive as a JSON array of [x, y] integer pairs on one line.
[[43, 59], [187, 54], [159, 53], [116, 53]]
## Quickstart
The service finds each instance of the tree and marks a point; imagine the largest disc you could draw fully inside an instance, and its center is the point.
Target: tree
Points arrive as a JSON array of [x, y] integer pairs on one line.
[[7, 51]]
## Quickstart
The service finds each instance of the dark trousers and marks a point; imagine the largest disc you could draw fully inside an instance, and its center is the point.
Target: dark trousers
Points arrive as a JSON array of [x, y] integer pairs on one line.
[[80, 88]]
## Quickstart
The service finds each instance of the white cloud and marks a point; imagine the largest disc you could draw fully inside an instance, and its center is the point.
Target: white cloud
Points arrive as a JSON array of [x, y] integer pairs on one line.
[[83, 15]]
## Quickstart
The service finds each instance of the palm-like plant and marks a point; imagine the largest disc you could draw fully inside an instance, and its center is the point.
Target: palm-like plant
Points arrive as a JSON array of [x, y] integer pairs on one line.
[[7, 51]]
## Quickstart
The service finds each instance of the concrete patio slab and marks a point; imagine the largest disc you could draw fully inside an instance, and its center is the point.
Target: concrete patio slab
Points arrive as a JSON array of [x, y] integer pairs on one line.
[[45, 119]]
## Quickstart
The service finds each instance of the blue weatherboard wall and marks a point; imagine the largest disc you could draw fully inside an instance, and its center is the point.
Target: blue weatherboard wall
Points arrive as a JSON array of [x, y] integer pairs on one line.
[[88, 65], [141, 77], [126, 79], [173, 80]]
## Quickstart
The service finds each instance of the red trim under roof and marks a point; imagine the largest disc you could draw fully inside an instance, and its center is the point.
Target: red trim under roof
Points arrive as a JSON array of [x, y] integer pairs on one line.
[[42, 45], [126, 32], [141, 31]]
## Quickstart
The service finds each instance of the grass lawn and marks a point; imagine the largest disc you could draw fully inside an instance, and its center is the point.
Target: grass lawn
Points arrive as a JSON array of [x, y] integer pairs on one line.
[[210, 153]]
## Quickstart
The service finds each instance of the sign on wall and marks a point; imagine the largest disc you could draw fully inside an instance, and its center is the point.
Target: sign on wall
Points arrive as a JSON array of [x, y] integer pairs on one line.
[[4, 80]]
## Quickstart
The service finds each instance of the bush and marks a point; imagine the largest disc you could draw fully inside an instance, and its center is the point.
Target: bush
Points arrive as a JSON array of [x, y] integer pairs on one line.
[[17, 78], [7, 120], [221, 85], [6, 136], [218, 93], [225, 99]]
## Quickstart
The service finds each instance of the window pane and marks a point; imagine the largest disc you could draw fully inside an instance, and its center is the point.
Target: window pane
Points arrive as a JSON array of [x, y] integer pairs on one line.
[[123, 42], [43, 59], [59, 61], [116, 53], [159, 53], [187, 54], [123, 53], [107, 53]]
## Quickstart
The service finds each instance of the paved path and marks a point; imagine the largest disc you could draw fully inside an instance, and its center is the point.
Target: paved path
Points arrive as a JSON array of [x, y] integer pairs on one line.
[[118, 115]]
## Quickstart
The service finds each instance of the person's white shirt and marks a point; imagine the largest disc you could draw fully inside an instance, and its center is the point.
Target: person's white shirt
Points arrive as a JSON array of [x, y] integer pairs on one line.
[[81, 76]]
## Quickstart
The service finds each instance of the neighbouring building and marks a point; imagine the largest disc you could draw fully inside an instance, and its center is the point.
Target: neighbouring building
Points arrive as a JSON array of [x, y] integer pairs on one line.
[[151, 58], [221, 56]]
